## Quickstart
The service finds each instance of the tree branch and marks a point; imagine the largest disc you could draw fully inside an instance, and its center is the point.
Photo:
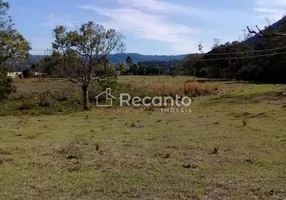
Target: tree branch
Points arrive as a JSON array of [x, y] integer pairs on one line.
[[261, 33]]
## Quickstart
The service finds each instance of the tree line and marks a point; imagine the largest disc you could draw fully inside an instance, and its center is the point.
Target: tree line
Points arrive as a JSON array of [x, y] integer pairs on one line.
[[258, 58], [13, 46]]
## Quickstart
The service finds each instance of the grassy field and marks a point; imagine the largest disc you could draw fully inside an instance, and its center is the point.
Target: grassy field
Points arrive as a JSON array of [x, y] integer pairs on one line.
[[231, 146]]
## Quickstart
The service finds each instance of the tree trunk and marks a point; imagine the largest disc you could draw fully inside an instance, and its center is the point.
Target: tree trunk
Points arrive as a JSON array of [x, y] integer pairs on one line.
[[85, 97], [194, 75]]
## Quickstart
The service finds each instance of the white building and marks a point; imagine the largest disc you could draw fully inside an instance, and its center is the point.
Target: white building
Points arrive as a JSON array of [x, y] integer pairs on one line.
[[14, 74]]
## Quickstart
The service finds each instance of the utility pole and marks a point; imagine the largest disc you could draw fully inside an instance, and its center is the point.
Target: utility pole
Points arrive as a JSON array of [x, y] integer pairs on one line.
[[200, 48], [194, 73]]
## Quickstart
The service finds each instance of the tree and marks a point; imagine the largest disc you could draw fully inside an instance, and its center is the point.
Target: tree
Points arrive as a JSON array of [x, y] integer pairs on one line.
[[47, 66], [129, 62], [200, 48], [216, 43], [83, 52], [28, 73], [134, 69], [121, 67], [5, 84], [13, 48]]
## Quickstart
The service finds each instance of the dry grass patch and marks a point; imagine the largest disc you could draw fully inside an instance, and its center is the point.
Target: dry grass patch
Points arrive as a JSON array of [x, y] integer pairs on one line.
[[169, 86], [188, 88]]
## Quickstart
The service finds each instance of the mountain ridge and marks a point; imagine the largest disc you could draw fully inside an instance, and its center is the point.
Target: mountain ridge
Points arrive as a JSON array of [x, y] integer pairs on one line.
[[115, 58], [136, 57]]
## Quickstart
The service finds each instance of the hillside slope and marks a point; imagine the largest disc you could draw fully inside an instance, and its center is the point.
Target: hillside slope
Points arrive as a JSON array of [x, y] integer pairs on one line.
[[274, 27]]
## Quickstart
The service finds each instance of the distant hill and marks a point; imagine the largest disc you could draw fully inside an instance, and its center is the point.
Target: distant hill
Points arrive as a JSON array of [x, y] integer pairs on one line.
[[120, 58]]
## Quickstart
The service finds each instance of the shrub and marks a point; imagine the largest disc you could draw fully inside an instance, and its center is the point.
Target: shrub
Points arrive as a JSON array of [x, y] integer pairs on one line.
[[28, 73], [62, 98], [94, 90], [47, 100], [109, 82], [26, 106], [76, 98], [6, 87]]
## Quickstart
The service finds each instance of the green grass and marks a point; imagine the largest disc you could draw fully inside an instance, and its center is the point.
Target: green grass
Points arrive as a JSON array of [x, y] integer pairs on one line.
[[128, 153]]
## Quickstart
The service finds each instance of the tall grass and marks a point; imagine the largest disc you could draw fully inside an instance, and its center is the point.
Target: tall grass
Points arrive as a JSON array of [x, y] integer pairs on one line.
[[191, 89], [198, 89], [49, 96]]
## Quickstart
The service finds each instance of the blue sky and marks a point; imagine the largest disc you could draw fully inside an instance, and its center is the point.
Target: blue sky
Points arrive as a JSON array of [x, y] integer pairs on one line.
[[149, 26]]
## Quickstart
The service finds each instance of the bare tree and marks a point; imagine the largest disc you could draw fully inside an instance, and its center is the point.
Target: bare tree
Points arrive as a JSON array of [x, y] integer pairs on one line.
[[246, 35], [216, 43], [268, 22], [262, 33], [81, 53]]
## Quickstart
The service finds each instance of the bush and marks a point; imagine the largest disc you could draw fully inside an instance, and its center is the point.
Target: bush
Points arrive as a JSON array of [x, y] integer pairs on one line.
[[28, 73], [26, 106], [62, 96], [6, 87], [109, 79], [109, 82], [76, 98], [47, 100], [93, 91]]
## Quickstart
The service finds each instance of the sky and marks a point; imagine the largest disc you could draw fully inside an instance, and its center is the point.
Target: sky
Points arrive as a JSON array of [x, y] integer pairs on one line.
[[152, 27]]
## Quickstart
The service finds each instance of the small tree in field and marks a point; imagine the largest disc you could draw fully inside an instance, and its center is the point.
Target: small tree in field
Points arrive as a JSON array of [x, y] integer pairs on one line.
[[13, 47], [83, 52], [134, 69]]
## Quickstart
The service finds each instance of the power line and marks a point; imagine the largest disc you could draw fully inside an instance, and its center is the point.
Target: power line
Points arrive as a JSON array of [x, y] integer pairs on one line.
[[237, 58], [216, 54], [37, 50], [244, 52], [41, 50]]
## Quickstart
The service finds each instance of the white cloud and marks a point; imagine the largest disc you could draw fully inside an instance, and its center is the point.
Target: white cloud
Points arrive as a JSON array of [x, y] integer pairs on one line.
[[164, 7], [149, 20], [171, 22]]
